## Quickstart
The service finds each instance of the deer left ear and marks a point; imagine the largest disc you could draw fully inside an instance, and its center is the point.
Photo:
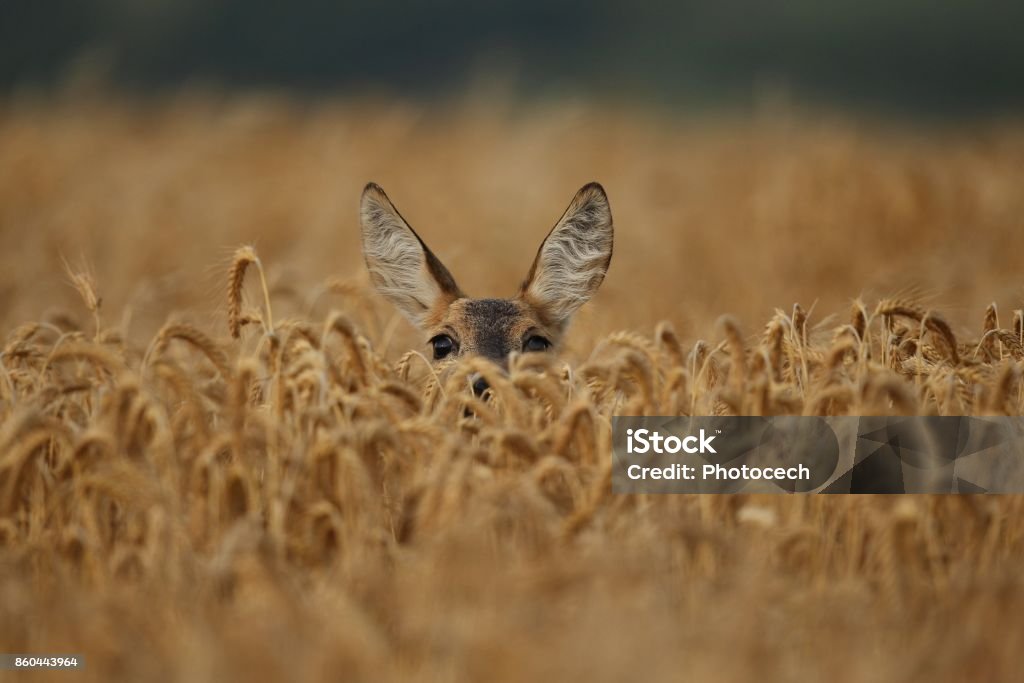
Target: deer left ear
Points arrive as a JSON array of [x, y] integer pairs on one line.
[[401, 266], [571, 262]]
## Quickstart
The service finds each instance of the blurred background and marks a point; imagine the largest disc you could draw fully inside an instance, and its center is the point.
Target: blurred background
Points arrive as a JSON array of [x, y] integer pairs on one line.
[[923, 56], [756, 153]]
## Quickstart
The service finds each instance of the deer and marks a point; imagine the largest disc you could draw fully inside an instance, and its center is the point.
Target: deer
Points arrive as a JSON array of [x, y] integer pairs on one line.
[[569, 267]]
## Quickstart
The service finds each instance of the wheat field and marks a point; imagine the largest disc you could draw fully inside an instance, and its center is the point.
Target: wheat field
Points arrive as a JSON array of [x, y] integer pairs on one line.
[[307, 500]]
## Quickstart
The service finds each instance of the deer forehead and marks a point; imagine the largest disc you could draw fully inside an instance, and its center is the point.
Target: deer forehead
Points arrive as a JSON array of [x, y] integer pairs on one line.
[[491, 327]]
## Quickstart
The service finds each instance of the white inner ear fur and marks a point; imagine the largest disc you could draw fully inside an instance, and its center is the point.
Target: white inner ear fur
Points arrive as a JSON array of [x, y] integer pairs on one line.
[[396, 260], [574, 258]]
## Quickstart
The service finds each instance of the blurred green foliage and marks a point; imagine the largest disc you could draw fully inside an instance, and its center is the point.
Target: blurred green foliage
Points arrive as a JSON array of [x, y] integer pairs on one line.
[[925, 56]]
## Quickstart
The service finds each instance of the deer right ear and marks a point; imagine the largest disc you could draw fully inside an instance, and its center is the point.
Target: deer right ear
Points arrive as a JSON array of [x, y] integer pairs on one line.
[[573, 259], [401, 266]]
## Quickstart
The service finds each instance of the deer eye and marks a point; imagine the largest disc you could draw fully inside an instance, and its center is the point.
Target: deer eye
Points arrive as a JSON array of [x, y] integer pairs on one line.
[[536, 343], [443, 345]]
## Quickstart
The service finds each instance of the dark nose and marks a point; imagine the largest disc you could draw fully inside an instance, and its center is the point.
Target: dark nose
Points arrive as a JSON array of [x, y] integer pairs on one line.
[[480, 385]]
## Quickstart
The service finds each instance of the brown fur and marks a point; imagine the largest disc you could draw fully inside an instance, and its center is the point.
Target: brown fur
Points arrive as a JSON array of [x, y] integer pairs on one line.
[[569, 267], [493, 328]]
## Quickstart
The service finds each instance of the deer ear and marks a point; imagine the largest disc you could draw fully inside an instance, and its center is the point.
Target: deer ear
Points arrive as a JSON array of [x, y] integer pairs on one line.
[[573, 259], [401, 266]]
